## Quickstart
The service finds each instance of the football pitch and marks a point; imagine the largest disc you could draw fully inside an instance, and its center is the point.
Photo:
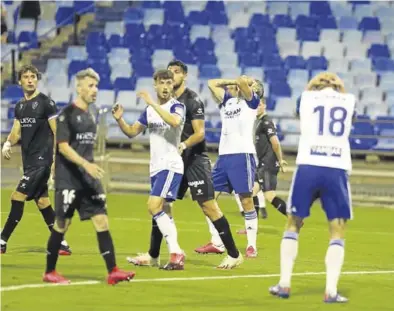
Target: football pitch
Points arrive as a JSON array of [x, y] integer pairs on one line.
[[368, 280]]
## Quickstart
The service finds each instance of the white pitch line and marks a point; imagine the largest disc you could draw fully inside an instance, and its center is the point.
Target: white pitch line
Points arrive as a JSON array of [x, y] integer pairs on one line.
[[199, 278]]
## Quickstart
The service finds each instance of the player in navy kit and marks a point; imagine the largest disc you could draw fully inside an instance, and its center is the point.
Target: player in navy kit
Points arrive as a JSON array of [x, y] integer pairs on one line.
[[34, 125], [77, 180]]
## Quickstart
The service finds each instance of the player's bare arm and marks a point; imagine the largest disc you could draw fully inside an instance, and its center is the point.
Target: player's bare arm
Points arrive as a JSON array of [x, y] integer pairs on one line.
[[12, 139], [129, 130], [244, 83], [274, 140], [70, 154], [216, 86], [52, 125], [197, 137], [171, 119]]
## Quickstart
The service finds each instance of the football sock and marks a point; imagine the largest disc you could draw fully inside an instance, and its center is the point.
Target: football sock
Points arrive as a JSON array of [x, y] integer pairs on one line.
[[14, 217], [222, 226], [49, 216], [166, 227], [238, 200], [334, 260], [288, 255], [107, 250], [174, 229], [155, 240], [251, 225], [215, 237], [280, 205], [260, 196], [53, 247]]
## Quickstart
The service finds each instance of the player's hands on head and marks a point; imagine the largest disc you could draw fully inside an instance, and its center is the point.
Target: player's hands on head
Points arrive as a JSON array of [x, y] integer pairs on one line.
[[117, 111], [6, 151], [93, 170], [249, 80], [146, 97], [283, 166]]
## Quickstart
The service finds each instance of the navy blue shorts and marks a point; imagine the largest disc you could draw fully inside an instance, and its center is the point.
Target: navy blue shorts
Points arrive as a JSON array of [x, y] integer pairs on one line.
[[165, 184], [234, 172], [330, 184]]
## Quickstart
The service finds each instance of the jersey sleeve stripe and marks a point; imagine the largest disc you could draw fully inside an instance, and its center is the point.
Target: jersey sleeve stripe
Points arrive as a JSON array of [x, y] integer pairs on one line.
[[52, 116]]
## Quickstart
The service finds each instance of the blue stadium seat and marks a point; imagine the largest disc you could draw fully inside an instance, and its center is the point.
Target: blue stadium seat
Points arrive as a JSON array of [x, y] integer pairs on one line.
[[327, 22], [75, 66], [133, 16], [151, 4], [317, 62], [295, 62], [257, 20], [198, 18], [174, 6], [303, 21], [64, 16], [28, 40], [320, 8], [281, 20], [384, 123], [272, 61], [84, 7], [143, 69], [385, 144], [308, 34], [13, 92], [249, 60], [383, 64], [209, 72], [280, 90], [125, 84], [362, 127], [369, 23], [115, 41], [105, 83], [134, 30], [347, 22], [378, 50]]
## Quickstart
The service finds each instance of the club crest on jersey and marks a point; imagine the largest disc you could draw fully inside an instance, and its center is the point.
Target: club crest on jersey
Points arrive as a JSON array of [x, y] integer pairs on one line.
[[34, 106], [79, 119]]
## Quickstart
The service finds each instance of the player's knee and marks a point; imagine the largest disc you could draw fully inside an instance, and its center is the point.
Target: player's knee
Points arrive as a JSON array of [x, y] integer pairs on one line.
[[100, 223], [211, 209], [256, 188], [337, 228], [294, 223], [247, 202], [155, 205], [61, 225], [18, 196], [43, 203], [167, 208], [269, 195]]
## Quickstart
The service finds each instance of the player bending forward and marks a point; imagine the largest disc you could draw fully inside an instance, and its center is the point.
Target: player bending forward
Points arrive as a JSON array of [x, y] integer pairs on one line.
[[77, 180], [165, 122], [235, 167], [35, 125], [270, 161], [323, 163]]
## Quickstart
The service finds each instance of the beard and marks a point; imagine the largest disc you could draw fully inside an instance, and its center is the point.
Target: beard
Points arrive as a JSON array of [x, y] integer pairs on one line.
[[178, 85]]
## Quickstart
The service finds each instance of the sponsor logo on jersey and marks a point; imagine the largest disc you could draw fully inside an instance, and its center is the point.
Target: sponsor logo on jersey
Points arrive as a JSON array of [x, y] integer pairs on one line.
[[27, 122], [24, 177], [196, 183], [86, 137], [327, 151], [232, 113]]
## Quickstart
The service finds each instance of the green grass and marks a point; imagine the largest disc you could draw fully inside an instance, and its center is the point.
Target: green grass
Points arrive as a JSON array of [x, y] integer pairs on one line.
[[369, 247]]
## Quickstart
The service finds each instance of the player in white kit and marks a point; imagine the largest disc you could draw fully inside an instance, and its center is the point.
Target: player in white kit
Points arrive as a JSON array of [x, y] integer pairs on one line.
[[323, 163], [164, 121], [235, 167]]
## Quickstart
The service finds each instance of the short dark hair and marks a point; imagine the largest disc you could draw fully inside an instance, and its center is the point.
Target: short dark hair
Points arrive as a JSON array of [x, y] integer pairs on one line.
[[31, 68], [177, 62], [163, 74]]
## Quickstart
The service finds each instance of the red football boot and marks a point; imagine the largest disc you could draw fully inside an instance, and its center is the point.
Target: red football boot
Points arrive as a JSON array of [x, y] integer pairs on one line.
[[54, 277], [209, 249], [118, 275]]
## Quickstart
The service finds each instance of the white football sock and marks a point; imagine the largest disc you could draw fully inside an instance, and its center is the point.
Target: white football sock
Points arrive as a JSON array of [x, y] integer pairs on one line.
[[288, 255], [166, 227], [2, 242], [260, 196], [64, 243], [334, 260], [215, 237], [174, 229], [238, 200], [251, 225]]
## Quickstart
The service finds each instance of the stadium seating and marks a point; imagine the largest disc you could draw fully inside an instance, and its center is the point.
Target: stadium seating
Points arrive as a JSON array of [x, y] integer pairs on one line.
[[282, 43]]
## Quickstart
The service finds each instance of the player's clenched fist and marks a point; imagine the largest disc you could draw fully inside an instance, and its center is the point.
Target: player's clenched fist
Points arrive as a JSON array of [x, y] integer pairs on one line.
[[146, 97], [117, 111], [6, 151], [93, 170]]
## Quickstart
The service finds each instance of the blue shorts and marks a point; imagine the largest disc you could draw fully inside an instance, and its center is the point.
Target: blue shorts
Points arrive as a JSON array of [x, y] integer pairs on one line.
[[234, 172], [165, 184], [329, 184]]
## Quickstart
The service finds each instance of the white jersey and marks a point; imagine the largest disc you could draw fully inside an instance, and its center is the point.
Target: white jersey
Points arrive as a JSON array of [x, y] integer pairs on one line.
[[326, 122], [238, 116], [164, 139]]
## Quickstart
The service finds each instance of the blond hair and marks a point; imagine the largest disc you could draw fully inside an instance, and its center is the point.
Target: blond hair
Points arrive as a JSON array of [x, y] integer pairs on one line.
[[326, 79], [89, 72]]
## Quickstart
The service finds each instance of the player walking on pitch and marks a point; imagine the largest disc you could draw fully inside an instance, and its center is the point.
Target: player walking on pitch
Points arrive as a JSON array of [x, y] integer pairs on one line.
[[235, 167], [165, 122], [197, 176], [77, 180], [323, 162], [35, 125]]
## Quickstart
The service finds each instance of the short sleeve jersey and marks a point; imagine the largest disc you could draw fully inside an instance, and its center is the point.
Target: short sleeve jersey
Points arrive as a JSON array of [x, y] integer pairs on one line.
[[265, 129], [36, 134], [77, 127]]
